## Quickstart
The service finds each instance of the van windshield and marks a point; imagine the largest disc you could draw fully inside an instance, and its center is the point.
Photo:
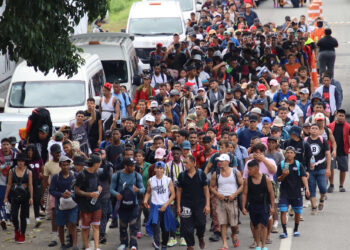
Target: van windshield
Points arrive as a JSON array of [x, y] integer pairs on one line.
[[47, 94], [186, 5], [155, 26], [115, 71]]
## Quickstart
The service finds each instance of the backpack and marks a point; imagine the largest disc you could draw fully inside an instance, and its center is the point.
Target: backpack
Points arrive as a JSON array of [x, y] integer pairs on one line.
[[320, 137], [279, 96], [129, 198], [196, 78], [234, 171], [296, 163], [77, 198], [39, 117], [18, 192], [182, 175]]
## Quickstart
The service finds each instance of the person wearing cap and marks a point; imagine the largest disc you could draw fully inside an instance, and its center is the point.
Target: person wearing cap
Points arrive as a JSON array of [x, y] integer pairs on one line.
[[158, 153], [266, 126], [20, 182], [13, 142], [145, 90], [292, 175], [50, 169], [226, 184], [161, 216], [320, 167], [125, 186], [97, 26], [109, 107], [237, 107], [329, 93], [192, 200], [245, 135], [341, 131], [326, 133], [186, 103], [61, 189], [304, 101], [96, 129], [78, 164], [249, 14], [157, 56], [57, 138]]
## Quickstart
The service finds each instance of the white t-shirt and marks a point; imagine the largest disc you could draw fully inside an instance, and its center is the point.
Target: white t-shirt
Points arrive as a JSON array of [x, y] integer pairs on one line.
[[160, 189]]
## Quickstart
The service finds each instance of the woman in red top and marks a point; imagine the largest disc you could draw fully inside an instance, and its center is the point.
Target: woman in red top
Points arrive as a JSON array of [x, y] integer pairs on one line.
[[145, 90]]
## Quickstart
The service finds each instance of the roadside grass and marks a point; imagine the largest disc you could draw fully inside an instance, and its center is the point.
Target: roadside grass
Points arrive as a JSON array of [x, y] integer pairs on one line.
[[118, 15]]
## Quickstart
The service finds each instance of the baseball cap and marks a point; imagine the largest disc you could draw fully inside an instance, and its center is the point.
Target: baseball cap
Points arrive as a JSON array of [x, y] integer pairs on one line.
[[306, 124], [266, 120], [304, 91], [295, 130], [319, 116], [224, 157], [44, 128], [58, 136], [248, 5], [155, 131], [108, 86], [64, 158], [159, 45], [186, 145], [175, 128], [192, 126], [167, 103], [274, 82], [129, 143], [278, 122], [55, 148], [174, 92], [201, 89], [229, 91], [160, 153], [159, 164], [79, 160], [292, 98], [150, 118], [162, 129], [290, 148], [153, 104], [272, 138], [261, 87], [259, 101], [253, 118], [129, 162], [274, 129], [256, 111]]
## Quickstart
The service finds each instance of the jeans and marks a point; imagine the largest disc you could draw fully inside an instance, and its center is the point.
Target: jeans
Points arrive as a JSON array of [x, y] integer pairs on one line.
[[326, 61], [104, 216], [15, 207], [317, 177], [128, 218], [2, 205]]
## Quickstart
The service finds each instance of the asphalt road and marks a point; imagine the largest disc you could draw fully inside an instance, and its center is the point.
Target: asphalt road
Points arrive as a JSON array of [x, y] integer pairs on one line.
[[326, 231]]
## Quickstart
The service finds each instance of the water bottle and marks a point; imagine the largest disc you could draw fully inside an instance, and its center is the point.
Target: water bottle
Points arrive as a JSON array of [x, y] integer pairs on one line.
[[313, 161], [93, 200]]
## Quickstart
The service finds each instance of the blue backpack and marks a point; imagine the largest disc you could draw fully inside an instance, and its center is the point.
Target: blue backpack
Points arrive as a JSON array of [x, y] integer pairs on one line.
[[296, 163]]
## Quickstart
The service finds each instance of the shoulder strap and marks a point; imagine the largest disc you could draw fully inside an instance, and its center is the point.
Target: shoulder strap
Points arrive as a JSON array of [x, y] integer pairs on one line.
[[197, 81], [282, 165], [298, 166], [278, 96], [124, 97], [200, 174], [118, 179], [234, 172]]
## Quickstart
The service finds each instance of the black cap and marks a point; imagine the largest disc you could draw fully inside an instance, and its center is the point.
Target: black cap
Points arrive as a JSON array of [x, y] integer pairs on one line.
[[176, 147], [272, 138], [229, 91], [274, 129], [79, 160], [55, 148], [253, 118], [129, 162]]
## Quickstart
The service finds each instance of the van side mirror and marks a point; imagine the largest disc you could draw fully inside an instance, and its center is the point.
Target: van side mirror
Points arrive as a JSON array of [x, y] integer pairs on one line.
[[123, 30]]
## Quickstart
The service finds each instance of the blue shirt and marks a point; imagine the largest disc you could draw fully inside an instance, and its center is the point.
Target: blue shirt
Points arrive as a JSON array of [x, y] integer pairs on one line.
[[246, 135], [241, 153], [281, 97], [303, 107], [123, 104]]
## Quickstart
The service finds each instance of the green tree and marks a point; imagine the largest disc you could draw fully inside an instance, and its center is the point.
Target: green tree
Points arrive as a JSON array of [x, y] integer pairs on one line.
[[38, 31]]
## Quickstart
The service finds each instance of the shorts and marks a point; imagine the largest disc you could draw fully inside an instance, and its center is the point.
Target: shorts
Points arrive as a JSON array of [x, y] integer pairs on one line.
[[297, 205], [90, 218], [341, 163], [63, 217], [259, 214], [227, 212]]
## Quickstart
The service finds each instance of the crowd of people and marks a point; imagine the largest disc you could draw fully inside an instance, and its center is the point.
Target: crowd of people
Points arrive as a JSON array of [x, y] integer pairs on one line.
[[226, 123]]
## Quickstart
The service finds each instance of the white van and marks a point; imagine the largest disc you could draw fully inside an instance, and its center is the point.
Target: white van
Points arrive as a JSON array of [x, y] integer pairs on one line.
[[61, 95], [153, 22], [117, 54]]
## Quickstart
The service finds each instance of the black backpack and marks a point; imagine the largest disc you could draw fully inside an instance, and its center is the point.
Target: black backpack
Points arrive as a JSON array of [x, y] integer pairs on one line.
[[129, 197], [18, 192], [39, 117]]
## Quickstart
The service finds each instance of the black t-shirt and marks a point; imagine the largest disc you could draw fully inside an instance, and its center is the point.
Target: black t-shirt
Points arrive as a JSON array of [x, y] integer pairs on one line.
[[126, 134], [327, 43], [338, 136], [318, 149], [87, 182], [112, 153], [291, 185], [93, 131], [302, 150], [192, 195]]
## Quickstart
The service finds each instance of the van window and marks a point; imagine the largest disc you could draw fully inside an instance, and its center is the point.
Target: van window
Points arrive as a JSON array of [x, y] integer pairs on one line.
[[186, 5], [47, 94], [155, 26], [98, 81], [115, 70]]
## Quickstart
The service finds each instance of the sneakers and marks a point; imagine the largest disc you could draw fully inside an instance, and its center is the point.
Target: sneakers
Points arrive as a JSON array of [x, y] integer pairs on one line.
[[139, 235], [301, 218], [314, 211], [183, 242], [17, 234], [21, 238], [342, 189], [38, 222], [122, 247], [283, 235], [133, 248], [215, 237], [53, 243], [201, 243], [296, 234], [3, 225], [172, 242], [307, 204], [114, 224], [103, 239], [330, 189], [274, 229]]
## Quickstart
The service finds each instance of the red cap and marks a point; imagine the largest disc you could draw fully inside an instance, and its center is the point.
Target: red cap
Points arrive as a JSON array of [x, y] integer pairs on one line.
[[261, 87], [292, 98], [108, 86], [190, 84], [221, 26], [159, 45], [253, 28]]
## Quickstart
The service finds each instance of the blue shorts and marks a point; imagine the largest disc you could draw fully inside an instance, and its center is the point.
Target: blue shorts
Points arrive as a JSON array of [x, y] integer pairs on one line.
[[297, 205], [63, 217], [259, 214]]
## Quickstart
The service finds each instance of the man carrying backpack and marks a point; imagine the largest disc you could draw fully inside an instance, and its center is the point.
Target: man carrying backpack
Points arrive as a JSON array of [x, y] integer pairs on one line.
[[292, 175], [125, 186], [226, 185]]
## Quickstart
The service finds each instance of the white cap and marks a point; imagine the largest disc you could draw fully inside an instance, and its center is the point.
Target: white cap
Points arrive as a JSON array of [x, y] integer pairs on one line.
[[201, 89], [154, 104], [256, 111], [224, 157], [150, 118], [304, 91]]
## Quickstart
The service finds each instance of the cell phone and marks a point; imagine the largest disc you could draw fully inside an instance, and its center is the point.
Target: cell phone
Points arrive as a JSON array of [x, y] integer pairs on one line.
[[139, 127]]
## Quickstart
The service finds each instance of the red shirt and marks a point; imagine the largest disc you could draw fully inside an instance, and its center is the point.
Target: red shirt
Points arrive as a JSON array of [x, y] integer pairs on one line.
[[202, 158], [197, 150], [139, 95]]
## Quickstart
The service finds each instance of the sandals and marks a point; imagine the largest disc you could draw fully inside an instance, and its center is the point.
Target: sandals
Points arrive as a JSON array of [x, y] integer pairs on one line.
[[223, 248], [235, 243], [321, 205], [283, 235], [252, 245]]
